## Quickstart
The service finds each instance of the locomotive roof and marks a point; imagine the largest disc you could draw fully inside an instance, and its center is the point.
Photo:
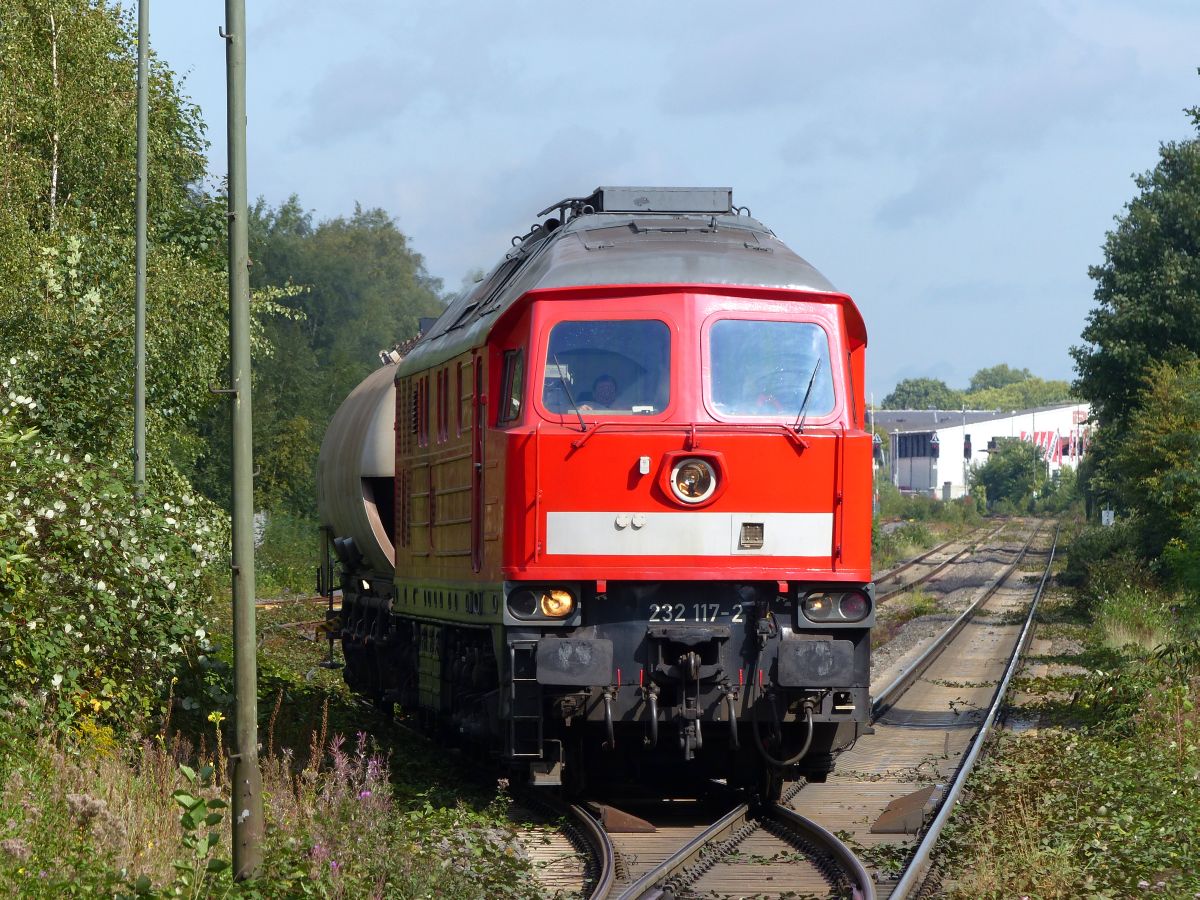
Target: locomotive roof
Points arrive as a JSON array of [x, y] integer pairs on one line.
[[677, 245]]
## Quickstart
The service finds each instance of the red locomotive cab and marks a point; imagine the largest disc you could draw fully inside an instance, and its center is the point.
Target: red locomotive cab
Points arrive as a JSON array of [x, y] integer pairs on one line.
[[689, 434]]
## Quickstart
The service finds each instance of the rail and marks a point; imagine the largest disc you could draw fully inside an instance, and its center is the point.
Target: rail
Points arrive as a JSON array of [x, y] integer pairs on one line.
[[918, 866], [917, 560], [888, 696], [828, 854]]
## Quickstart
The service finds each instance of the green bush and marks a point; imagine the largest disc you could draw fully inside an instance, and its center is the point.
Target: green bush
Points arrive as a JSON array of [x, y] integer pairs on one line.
[[286, 560], [100, 591], [1093, 545]]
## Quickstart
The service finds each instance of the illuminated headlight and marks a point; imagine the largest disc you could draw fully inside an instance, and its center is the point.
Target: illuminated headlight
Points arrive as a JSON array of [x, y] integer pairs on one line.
[[693, 480], [541, 603], [835, 606], [556, 604]]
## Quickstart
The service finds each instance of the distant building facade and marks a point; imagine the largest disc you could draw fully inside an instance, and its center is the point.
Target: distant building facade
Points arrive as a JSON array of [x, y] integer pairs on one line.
[[933, 451]]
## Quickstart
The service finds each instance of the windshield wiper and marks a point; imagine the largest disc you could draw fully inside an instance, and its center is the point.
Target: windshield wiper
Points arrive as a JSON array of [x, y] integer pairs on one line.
[[567, 388], [798, 427]]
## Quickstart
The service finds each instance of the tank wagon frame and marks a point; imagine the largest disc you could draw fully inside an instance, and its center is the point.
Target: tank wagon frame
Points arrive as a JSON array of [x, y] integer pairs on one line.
[[611, 513]]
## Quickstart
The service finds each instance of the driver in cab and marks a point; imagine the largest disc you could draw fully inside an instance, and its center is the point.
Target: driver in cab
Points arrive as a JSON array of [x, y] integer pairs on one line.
[[604, 394]]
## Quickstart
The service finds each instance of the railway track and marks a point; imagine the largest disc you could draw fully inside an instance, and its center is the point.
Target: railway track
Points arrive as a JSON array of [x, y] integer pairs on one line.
[[920, 569], [740, 851], [931, 721], [930, 724]]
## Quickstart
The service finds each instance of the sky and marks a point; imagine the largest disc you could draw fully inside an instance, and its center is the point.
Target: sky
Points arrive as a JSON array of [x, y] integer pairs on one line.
[[954, 166]]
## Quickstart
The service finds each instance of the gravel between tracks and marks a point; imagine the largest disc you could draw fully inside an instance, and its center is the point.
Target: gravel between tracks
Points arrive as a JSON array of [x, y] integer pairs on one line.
[[954, 590]]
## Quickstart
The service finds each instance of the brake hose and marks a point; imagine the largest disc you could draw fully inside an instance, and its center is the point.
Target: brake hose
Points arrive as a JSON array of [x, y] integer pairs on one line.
[[758, 741]]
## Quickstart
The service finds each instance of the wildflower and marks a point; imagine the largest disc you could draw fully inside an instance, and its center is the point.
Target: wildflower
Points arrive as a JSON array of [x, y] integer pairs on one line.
[[57, 679], [363, 795], [334, 866], [216, 717], [16, 848]]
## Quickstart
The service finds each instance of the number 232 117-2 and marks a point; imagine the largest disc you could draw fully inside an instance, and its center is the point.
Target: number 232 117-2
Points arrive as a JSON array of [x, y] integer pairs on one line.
[[691, 612]]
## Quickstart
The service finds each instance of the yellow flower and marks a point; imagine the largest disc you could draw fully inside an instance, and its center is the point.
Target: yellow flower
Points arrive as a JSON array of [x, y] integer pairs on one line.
[[216, 717], [95, 705], [20, 663]]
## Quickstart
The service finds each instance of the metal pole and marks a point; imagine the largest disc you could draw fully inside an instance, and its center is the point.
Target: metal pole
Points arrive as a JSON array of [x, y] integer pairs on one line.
[[247, 777], [139, 326], [966, 459]]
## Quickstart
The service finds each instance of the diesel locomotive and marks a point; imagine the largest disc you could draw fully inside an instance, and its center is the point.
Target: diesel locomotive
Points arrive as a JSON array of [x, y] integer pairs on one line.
[[609, 516]]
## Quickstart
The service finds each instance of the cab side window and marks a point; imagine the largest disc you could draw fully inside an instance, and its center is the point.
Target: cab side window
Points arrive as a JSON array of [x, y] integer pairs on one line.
[[514, 383]]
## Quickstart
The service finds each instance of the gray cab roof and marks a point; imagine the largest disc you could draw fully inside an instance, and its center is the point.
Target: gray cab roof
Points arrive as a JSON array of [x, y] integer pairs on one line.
[[671, 236]]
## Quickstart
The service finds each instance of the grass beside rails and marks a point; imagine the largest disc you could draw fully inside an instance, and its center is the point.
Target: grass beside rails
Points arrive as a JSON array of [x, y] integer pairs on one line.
[[926, 522], [84, 817], [285, 562], [899, 611], [355, 806], [1103, 799], [890, 548]]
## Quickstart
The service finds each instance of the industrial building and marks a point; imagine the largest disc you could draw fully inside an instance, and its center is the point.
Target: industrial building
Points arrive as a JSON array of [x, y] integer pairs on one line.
[[933, 451]]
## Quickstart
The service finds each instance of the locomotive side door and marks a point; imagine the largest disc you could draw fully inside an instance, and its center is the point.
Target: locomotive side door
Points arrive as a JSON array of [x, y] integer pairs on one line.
[[478, 424]]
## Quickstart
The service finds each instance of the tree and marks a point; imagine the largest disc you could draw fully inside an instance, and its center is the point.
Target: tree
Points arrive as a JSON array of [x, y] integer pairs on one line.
[[1013, 470], [68, 134], [101, 588], [997, 377], [922, 393], [357, 288], [1024, 394], [1157, 463], [1148, 287]]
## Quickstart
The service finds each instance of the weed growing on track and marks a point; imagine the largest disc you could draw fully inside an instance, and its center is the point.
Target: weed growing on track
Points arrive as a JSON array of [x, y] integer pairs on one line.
[[897, 612]]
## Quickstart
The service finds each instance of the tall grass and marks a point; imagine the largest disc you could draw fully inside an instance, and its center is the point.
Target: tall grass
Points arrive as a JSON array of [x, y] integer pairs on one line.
[[81, 815]]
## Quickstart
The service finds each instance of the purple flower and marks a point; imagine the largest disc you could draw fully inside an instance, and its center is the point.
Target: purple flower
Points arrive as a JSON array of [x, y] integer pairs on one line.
[[334, 866], [363, 795]]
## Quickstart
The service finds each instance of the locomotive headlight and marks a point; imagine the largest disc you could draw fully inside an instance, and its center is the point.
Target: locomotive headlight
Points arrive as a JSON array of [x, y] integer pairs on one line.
[[693, 480], [523, 604], [820, 606], [541, 603], [556, 604], [835, 606]]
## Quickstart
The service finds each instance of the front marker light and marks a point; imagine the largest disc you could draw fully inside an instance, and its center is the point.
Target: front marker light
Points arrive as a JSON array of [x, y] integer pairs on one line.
[[556, 604], [854, 606]]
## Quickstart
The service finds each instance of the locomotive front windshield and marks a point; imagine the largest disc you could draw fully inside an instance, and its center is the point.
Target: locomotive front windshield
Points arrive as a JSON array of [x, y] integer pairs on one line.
[[762, 368], [611, 367]]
